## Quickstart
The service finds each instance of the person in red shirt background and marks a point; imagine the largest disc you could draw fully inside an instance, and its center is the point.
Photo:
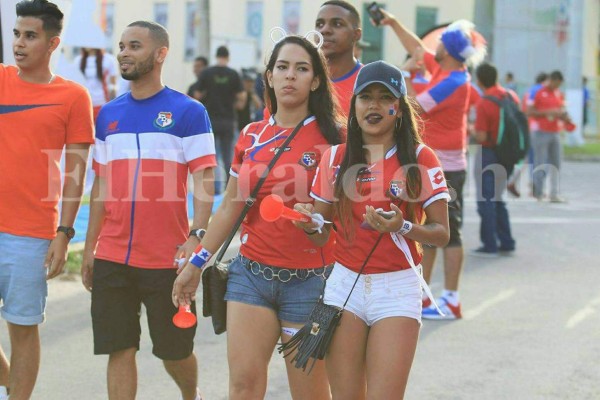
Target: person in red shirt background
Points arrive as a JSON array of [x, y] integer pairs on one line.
[[528, 97], [549, 109], [443, 106], [339, 23], [279, 274], [490, 176]]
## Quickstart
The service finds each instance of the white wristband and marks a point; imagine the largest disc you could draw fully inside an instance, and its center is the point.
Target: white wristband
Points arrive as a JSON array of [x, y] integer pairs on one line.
[[405, 228]]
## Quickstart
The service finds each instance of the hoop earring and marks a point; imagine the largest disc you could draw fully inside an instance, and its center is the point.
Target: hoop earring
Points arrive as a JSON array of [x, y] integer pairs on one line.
[[398, 123], [353, 123]]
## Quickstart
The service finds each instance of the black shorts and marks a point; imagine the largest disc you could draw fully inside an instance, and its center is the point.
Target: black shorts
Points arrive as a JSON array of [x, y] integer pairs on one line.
[[117, 296], [456, 182]]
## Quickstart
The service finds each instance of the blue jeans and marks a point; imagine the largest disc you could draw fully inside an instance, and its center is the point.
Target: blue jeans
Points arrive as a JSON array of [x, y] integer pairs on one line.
[[490, 178], [546, 155]]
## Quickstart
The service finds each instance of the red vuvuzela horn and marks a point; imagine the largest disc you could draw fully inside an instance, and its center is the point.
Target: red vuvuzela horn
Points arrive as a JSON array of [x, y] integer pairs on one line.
[[570, 126], [272, 208], [184, 317]]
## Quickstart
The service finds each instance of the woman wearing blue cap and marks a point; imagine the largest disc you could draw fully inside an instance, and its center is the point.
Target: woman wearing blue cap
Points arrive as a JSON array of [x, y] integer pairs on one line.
[[378, 188]]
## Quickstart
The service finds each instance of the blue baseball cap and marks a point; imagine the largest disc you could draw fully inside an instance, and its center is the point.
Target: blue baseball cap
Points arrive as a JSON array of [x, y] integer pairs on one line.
[[384, 73]]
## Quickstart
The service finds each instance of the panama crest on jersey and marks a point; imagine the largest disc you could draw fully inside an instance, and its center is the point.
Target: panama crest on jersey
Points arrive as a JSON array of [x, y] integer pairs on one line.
[[396, 189], [164, 120], [308, 160]]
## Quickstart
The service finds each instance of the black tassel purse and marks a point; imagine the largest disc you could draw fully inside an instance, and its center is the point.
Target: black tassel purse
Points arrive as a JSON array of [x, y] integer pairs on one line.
[[313, 339]]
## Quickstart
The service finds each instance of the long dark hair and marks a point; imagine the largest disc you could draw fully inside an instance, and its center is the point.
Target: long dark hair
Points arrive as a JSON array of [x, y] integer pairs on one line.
[[321, 102], [406, 138], [99, 56]]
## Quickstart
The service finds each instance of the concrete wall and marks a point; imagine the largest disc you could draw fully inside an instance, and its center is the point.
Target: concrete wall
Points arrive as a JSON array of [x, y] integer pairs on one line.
[[228, 25]]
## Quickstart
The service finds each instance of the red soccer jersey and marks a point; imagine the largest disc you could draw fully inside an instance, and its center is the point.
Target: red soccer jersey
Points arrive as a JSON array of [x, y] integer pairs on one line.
[[379, 185], [488, 114], [279, 243], [344, 88], [548, 99], [36, 121], [445, 102]]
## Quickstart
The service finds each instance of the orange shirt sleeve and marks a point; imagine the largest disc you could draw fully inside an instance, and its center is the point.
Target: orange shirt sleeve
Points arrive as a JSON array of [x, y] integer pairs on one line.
[[80, 125]]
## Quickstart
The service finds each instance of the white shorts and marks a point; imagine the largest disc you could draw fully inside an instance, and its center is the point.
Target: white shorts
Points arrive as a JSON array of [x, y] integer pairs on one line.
[[375, 296]]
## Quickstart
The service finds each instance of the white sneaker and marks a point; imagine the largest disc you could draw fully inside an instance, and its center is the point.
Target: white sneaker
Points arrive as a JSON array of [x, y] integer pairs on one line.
[[198, 395]]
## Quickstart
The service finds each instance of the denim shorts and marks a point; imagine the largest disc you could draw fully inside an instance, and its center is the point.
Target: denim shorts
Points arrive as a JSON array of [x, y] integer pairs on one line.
[[292, 301], [376, 296], [23, 286]]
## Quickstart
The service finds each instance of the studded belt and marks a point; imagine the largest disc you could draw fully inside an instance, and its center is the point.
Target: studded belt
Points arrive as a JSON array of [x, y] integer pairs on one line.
[[283, 275]]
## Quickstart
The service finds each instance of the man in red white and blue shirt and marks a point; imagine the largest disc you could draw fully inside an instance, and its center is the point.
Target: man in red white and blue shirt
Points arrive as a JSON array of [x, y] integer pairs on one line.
[[147, 143], [444, 105]]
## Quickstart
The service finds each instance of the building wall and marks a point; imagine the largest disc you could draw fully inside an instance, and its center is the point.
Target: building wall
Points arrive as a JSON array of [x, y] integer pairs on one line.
[[228, 24], [591, 38]]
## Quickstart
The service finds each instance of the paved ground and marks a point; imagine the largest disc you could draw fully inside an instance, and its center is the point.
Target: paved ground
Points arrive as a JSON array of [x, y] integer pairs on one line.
[[531, 328]]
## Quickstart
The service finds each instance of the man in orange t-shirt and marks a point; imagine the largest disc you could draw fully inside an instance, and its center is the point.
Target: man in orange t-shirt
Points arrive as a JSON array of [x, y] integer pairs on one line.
[[40, 113]]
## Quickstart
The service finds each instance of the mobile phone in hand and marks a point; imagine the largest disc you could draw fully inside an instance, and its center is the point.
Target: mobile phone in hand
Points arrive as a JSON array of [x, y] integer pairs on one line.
[[384, 214], [375, 13]]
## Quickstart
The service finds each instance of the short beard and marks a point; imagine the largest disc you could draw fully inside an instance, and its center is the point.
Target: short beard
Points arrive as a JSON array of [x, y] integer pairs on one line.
[[144, 67]]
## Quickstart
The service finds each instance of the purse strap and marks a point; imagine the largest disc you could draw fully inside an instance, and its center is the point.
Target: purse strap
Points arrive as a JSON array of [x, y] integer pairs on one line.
[[252, 198], [362, 268]]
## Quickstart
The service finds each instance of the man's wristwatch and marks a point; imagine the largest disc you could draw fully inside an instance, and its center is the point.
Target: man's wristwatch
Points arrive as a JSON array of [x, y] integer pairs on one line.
[[67, 230], [198, 233]]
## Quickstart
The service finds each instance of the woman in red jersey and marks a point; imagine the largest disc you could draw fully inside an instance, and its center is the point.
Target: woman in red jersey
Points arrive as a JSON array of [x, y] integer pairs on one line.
[[279, 274], [378, 188]]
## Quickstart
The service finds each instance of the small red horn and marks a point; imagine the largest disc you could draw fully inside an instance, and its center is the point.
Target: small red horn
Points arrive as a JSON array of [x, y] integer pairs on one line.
[[272, 208], [184, 317]]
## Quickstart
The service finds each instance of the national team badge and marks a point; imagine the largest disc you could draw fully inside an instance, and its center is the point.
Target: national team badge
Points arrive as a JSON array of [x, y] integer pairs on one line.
[[308, 160], [396, 189], [164, 120]]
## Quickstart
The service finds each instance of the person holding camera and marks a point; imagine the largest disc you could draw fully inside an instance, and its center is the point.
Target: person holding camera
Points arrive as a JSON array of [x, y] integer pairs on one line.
[[383, 166], [443, 106]]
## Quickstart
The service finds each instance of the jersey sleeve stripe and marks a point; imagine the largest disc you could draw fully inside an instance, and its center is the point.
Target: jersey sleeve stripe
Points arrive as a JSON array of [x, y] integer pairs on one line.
[[99, 153], [198, 146], [439, 196], [426, 101], [314, 196], [199, 163]]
